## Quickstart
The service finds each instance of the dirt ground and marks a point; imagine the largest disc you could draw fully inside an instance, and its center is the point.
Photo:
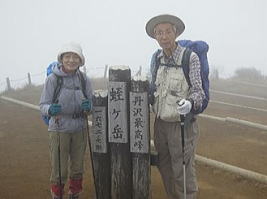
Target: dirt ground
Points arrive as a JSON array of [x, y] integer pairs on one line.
[[25, 164]]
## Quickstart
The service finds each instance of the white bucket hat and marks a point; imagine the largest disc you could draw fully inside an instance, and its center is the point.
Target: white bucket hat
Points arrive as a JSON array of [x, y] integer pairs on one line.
[[165, 18], [71, 47]]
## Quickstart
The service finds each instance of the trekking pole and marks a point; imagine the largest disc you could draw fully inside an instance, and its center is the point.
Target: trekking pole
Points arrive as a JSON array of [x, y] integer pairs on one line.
[[91, 154], [182, 117], [59, 160]]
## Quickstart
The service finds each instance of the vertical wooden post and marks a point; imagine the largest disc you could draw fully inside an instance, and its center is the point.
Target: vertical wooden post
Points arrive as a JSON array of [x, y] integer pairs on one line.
[[105, 72], [139, 72], [100, 147], [29, 79], [118, 114], [140, 138], [8, 84]]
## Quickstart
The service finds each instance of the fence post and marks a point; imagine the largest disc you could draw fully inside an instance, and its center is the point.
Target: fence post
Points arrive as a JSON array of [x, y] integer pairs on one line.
[[139, 72], [140, 137], [8, 84], [100, 147], [29, 79], [105, 72], [118, 114]]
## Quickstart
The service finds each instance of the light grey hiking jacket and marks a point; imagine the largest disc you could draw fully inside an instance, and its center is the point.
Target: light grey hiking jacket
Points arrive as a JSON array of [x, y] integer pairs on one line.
[[70, 98]]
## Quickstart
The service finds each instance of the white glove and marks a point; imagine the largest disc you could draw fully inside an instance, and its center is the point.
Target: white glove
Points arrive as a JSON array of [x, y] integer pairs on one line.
[[184, 107]]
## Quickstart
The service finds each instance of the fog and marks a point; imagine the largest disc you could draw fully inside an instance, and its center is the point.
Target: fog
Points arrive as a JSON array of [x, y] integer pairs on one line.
[[112, 32]]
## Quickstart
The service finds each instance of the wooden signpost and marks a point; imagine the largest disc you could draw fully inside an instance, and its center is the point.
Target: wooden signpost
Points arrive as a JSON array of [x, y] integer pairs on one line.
[[121, 138], [118, 116], [140, 138], [100, 148]]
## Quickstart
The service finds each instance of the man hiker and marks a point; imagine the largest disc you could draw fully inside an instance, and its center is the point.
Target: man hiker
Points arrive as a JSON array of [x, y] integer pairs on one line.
[[171, 97], [66, 96]]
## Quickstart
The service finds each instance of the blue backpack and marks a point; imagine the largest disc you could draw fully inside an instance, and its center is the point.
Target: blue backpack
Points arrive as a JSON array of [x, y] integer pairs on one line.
[[59, 84], [200, 48], [49, 70]]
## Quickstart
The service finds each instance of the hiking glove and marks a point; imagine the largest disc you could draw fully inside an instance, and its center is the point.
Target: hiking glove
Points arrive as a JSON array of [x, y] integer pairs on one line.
[[184, 107], [86, 105], [54, 109]]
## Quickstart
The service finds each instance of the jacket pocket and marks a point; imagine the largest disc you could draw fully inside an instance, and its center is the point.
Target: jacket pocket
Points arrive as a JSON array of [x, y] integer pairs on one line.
[[169, 111]]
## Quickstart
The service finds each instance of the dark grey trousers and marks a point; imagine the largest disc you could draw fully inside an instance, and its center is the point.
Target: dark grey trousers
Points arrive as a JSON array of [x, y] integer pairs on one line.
[[168, 143]]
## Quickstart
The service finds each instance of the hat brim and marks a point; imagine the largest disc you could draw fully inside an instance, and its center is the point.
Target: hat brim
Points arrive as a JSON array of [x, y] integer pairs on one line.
[[177, 22]]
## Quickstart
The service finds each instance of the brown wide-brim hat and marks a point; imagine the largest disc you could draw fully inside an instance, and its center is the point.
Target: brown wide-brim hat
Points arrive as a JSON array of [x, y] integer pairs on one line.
[[177, 22]]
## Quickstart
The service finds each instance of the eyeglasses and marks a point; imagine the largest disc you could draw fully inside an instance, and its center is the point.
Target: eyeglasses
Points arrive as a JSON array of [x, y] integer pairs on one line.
[[161, 33]]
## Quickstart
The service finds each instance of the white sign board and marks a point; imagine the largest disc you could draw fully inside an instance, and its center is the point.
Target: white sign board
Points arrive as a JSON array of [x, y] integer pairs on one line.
[[117, 112], [139, 123], [99, 136]]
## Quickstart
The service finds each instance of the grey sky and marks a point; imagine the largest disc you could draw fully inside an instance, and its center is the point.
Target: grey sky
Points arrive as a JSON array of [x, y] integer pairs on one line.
[[112, 32]]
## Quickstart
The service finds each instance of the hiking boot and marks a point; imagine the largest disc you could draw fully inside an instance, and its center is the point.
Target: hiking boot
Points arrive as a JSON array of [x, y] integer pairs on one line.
[[56, 190], [75, 188]]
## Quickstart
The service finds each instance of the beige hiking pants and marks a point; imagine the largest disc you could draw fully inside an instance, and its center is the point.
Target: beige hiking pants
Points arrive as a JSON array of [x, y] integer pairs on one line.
[[168, 144], [72, 150]]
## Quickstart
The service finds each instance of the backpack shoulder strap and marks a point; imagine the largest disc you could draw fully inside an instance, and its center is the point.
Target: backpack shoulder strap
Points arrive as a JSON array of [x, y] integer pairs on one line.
[[83, 83], [185, 64], [57, 88], [156, 61]]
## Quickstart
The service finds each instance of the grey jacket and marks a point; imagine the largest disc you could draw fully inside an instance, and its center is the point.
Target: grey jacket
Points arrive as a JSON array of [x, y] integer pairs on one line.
[[70, 98]]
